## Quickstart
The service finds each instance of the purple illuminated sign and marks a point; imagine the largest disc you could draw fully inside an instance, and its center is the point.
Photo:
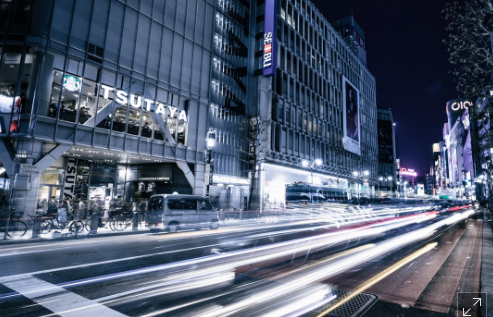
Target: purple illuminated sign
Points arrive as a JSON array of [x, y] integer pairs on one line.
[[270, 38]]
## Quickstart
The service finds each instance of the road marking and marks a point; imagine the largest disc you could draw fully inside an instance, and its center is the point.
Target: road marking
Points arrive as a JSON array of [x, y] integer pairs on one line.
[[5, 279], [59, 300]]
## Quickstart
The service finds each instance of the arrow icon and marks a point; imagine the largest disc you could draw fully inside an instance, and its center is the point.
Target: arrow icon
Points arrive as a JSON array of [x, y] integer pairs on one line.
[[464, 313], [478, 300]]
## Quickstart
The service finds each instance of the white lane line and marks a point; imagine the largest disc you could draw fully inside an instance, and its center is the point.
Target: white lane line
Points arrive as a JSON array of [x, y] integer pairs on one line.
[[10, 278], [61, 302]]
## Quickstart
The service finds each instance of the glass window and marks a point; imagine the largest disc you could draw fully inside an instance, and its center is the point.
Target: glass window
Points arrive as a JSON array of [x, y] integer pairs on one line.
[[205, 205], [62, 14], [87, 105], [134, 121], [120, 112], [114, 32], [70, 91], [10, 100], [52, 176], [175, 204], [190, 204], [155, 203], [148, 124]]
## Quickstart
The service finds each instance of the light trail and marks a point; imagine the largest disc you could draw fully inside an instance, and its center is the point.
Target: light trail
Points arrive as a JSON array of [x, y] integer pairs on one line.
[[380, 277]]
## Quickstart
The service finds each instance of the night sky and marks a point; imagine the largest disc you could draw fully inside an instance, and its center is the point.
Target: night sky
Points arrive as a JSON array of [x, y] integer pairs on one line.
[[406, 55]]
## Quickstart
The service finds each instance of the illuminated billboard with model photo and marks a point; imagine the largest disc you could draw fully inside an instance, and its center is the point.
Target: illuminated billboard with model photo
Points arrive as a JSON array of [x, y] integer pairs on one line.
[[351, 117]]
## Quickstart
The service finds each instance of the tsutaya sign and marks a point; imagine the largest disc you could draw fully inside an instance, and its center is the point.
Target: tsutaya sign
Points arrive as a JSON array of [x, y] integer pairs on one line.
[[135, 101]]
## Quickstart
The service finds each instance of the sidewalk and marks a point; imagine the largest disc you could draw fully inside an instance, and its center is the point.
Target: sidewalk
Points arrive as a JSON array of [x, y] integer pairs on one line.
[[487, 260], [106, 232], [49, 237]]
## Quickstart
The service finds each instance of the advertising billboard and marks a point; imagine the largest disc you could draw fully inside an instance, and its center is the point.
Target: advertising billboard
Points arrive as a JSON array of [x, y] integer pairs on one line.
[[270, 38], [385, 148], [351, 117]]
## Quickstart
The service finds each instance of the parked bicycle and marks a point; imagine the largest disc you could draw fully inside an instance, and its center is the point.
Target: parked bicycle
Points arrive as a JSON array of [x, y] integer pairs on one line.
[[46, 224], [64, 220], [14, 227], [118, 220]]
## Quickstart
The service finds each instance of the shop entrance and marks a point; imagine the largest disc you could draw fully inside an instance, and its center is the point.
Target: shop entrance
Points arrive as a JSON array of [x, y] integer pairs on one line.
[[49, 196]]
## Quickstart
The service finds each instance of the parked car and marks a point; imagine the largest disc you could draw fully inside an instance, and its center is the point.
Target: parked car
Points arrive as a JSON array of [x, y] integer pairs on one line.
[[175, 212]]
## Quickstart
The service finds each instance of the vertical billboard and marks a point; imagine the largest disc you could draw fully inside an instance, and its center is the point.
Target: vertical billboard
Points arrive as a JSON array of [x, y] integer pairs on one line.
[[350, 96], [385, 142], [270, 38]]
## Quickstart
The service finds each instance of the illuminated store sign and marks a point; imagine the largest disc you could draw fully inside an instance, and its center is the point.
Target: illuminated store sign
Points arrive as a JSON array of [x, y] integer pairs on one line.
[[408, 172], [270, 38], [458, 105], [71, 83], [228, 179], [70, 178], [462, 105], [135, 101], [436, 147]]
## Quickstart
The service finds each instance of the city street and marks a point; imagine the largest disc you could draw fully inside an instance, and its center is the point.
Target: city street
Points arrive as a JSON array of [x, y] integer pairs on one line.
[[192, 272]]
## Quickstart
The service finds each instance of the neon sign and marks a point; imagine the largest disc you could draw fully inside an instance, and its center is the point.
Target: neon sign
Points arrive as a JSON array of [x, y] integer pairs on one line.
[[408, 172], [461, 105], [270, 38]]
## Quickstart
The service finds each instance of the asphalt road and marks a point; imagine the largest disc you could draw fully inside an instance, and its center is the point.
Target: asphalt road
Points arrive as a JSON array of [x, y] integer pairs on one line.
[[429, 285], [131, 274]]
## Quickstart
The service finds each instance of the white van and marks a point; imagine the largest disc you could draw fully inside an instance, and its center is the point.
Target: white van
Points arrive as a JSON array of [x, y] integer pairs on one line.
[[173, 212]]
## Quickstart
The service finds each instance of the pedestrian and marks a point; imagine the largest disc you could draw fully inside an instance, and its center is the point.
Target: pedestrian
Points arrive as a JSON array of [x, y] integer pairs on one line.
[[52, 207]]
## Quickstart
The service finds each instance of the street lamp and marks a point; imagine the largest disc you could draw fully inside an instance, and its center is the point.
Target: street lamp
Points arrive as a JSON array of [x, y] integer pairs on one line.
[[360, 176], [210, 141], [388, 178], [311, 165], [380, 179]]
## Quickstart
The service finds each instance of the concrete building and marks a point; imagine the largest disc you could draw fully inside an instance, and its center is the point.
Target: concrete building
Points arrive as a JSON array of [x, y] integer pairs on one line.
[[104, 99], [386, 151], [112, 99], [318, 106]]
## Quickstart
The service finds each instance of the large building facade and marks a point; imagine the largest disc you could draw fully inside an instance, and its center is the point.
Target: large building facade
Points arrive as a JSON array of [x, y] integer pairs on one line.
[[387, 167], [114, 99], [318, 106], [104, 98]]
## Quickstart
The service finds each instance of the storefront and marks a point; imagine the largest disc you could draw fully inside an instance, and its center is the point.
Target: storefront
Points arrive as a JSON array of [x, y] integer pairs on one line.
[[98, 185], [228, 192]]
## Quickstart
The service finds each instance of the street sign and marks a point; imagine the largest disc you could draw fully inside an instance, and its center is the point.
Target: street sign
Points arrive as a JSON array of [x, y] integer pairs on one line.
[[28, 169]]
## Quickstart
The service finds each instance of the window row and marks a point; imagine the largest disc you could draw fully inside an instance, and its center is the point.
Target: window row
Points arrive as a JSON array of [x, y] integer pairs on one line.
[[225, 113], [113, 31]]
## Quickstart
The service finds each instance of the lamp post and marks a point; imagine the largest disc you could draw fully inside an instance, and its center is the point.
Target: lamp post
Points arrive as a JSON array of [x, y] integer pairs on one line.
[[360, 176], [311, 164], [388, 178], [380, 179], [210, 141]]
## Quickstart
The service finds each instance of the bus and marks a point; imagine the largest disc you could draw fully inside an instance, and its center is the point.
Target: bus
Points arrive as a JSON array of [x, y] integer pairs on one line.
[[302, 192]]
